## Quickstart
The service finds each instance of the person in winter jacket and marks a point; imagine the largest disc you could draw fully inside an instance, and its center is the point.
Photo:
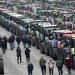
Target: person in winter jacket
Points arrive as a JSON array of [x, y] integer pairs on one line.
[[27, 53], [28, 36], [67, 41], [0, 41], [60, 47], [37, 37], [30, 68], [53, 44], [24, 40], [11, 41], [68, 63], [51, 66], [42, 63], [3, 45], [46, 45], [59, 64], [18, 51], [18, 40], [5, 41]]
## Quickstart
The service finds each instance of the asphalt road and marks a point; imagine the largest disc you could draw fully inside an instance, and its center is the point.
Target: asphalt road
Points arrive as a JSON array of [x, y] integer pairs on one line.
[[10, 63]]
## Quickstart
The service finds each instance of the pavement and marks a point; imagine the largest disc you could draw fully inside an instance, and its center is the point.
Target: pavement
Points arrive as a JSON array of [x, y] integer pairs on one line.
[[11, 67]]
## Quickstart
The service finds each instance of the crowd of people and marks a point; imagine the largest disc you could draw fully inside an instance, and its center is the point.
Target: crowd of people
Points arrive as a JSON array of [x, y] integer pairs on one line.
[[42, 60]]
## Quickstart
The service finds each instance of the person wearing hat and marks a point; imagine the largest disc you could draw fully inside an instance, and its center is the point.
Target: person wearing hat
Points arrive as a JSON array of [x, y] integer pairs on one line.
[[51, 66]]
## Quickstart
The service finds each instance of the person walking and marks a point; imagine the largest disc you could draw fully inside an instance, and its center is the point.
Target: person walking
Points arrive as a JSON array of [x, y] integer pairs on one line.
[[27, 53], [42, 63], [51, 66], [0, 41], [59, 47], [68, 63], [5, 41], [37, 38], [18, 40], [11, 42], [3, 45], [18, 51], [24, 40], [30, 68], [28, 36], [53, 44], [59, 64], [47, 45]]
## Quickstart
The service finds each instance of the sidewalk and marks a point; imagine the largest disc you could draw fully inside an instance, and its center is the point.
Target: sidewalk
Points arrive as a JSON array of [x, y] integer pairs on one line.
[[35, 56]]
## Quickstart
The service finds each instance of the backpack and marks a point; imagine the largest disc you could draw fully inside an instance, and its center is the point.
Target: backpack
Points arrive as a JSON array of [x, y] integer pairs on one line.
[[59, 63]]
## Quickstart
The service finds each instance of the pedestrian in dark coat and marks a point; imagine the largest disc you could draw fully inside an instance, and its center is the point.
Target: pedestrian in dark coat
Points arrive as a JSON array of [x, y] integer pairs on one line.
[[13, 37], [18, 40], [59, 64], [18, 51], [42, 63], [11, 41], [68, 63], [0, 41], [27, 53], [5, 40], [3, 44], [30, 68], [28, 36], [24, 40]]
